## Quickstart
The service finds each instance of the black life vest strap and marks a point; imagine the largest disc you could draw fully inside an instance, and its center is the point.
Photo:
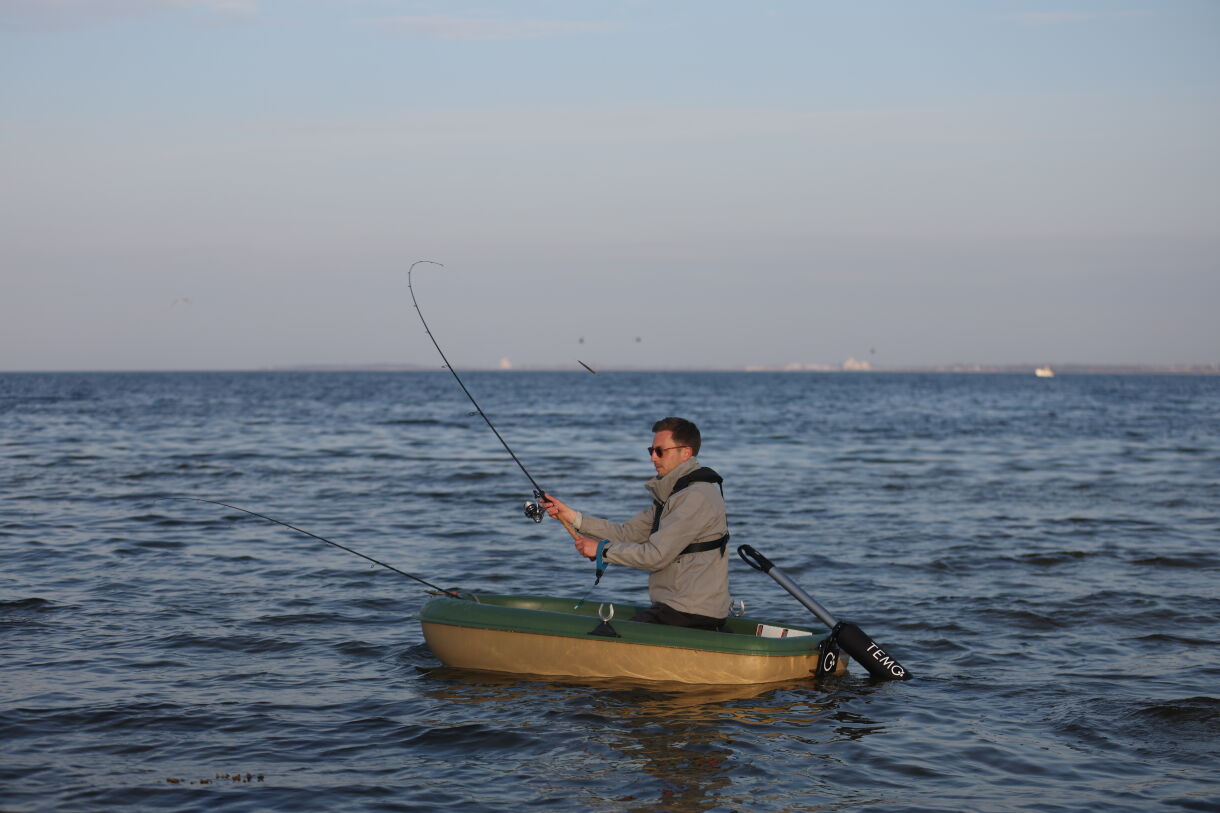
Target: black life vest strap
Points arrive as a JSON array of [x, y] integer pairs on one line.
[[712, 544], [702, 475]]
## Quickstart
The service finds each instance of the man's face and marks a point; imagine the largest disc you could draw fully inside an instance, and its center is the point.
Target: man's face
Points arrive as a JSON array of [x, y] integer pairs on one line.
[[667, 454]]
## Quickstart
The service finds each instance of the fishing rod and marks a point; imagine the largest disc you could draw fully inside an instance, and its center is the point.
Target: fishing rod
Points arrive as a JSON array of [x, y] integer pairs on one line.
[[533, 509], [452, 593]]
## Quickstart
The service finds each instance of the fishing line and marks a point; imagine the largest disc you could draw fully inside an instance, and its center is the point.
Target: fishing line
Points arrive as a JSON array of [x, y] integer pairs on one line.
[[452, 593], [532, 509], [583, 598]]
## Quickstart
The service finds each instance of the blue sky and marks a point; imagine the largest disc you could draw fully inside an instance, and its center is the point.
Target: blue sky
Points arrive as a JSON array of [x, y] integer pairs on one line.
[[194, 184]]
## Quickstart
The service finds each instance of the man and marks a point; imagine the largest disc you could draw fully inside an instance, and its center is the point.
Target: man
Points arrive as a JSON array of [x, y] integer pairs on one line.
[[680, 540]]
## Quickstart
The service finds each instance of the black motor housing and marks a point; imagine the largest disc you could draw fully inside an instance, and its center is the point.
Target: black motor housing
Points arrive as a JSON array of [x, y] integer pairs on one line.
[[867, 653]]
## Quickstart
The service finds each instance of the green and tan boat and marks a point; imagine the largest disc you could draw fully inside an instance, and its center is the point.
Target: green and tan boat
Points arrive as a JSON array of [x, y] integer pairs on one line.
[[548, 636]]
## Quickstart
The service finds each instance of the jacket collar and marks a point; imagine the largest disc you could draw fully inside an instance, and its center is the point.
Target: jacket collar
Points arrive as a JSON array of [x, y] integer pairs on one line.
[[662, 487]]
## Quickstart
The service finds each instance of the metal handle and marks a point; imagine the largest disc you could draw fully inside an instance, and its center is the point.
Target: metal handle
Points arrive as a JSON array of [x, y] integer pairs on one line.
[[754, 559]]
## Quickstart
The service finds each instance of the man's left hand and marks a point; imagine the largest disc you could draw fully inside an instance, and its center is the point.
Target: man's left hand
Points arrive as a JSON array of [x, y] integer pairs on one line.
[[587, 546]]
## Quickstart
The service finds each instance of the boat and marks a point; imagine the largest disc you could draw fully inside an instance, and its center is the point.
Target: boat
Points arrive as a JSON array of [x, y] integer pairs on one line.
[[1044, 371], [552, 636]]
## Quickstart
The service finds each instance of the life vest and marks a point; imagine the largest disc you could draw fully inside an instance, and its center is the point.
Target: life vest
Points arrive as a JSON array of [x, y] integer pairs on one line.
[[702, 475]]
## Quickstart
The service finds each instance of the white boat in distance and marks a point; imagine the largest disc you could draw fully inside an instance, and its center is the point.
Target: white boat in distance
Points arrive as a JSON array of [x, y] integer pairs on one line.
[[1044, 371]]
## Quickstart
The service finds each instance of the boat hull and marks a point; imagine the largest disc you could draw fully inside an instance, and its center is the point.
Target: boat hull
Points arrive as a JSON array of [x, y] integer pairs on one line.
[[547, 636]]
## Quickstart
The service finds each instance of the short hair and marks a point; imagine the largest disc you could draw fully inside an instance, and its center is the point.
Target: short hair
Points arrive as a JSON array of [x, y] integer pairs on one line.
[[685, 432]]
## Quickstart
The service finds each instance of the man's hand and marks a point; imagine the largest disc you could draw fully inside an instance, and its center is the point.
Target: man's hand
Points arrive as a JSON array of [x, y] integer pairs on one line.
[[555, 508], [587, 546]]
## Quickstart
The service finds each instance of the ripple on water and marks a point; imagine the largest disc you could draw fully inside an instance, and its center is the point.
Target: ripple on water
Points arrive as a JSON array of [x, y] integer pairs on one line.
[[33, 604], [228, 642]]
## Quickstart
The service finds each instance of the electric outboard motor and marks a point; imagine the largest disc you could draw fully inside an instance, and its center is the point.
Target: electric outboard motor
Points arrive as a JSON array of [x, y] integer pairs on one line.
[[845, 634]]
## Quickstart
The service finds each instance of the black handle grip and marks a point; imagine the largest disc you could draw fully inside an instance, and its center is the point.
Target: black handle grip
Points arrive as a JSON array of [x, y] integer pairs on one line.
[[754, 559]]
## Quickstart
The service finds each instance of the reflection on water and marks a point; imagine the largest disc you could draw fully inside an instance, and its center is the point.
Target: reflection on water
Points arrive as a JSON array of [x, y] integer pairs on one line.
[[673, 743]]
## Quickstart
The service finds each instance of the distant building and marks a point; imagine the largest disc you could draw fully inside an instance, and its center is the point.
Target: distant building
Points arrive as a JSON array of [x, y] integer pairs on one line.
[[857, 366]]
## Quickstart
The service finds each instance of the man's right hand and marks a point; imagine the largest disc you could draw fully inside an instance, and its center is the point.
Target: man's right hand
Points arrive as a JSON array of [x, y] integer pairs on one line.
[[557, 509]]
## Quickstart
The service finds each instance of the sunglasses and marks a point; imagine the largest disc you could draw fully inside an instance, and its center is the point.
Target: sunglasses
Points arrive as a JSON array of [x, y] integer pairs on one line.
[[659, 451]]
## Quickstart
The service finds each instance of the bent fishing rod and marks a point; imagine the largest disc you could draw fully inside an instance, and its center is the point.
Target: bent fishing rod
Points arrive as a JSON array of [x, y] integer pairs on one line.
[[452, 593], [533, 509]]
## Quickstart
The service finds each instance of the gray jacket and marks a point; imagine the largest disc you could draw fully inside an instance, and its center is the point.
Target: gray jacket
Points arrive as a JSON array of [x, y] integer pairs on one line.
[[693, 583]]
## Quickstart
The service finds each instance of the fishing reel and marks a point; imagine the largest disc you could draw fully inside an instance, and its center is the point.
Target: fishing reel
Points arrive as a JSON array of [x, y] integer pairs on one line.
[[533, 508]]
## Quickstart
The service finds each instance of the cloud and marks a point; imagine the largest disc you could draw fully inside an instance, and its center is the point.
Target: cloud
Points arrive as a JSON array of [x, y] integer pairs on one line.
[[84, 13], [484, 29], [651, 125], [1069, 17]]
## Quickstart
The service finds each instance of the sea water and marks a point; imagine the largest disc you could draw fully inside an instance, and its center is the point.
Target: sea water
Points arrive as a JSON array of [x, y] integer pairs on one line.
[[1041, 553]]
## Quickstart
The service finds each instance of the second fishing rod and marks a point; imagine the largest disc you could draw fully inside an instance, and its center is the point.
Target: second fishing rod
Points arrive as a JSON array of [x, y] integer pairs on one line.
[[534, 509]]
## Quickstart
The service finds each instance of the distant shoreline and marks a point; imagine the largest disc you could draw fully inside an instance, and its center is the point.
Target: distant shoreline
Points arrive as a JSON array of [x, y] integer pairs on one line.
[[1008, 369], [792, 369]]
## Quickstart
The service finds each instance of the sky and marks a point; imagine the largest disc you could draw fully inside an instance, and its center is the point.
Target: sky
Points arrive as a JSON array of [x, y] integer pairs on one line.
[[237, 184]]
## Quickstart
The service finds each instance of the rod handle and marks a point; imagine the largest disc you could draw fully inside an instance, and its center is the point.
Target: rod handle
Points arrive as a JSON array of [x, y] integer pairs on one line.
[[575, 534]]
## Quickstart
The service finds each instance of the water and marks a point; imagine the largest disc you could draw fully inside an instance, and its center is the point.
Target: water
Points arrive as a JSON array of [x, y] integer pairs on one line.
[[1042, 554]]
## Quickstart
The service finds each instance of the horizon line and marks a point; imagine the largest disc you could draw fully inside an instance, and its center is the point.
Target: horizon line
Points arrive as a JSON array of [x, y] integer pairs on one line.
[[1071, 368]]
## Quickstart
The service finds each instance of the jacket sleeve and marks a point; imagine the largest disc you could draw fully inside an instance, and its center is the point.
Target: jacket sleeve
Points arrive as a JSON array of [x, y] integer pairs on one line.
[[688, 518], [635, 529]]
